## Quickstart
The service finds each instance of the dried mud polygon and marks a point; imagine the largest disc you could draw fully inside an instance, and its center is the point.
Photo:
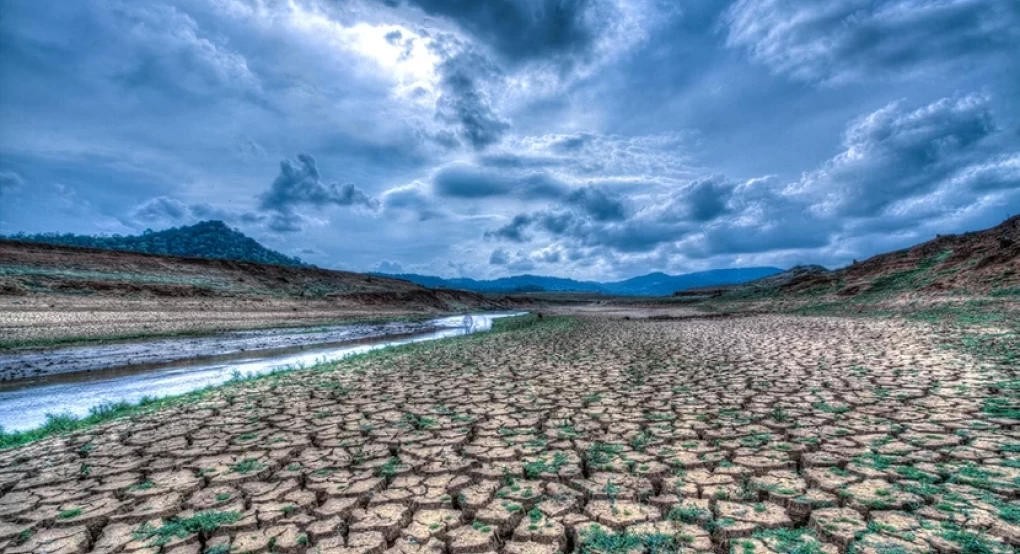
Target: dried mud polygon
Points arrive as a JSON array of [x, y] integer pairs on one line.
[[762, 434]]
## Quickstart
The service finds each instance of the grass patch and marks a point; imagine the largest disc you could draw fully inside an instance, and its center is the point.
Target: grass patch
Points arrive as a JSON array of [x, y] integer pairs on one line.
[[64, 424], [179, 528], [597, 541], [69, 514]]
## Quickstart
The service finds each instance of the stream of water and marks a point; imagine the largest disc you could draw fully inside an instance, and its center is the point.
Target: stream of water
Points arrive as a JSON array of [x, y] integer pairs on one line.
[[24, 403]]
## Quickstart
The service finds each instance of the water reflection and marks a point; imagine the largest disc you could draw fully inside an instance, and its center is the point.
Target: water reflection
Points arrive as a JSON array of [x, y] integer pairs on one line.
[[24, 404]]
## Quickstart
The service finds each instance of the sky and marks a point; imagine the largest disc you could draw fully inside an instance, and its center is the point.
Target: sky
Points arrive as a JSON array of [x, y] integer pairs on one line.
[[593, 139]]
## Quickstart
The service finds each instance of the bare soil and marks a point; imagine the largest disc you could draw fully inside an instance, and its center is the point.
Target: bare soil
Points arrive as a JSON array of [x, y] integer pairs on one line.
[[57, 295], [760, 433]]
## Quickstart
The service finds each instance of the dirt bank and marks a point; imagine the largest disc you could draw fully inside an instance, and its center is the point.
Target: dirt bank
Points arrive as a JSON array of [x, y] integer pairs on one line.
[[52, 295], [37, 363]]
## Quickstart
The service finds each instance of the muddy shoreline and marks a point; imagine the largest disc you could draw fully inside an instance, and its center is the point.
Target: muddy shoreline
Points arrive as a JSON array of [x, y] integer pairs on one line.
[[15, 366]]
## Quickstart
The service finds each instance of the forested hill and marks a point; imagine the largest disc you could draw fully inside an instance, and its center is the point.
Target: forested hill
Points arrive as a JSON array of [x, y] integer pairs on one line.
[[206, 239]]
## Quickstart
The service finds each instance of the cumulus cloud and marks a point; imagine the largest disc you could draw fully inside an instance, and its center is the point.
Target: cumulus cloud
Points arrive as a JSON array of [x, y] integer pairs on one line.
[[299, 184], [859, 39], [899, 167], [895, 154], [700, 200]]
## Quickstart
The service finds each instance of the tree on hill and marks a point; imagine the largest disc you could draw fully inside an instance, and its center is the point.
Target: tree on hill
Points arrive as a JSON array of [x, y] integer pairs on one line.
[[206, 239]]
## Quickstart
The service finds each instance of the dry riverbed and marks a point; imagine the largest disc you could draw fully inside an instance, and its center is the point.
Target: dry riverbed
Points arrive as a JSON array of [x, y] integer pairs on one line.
[[756, 434]]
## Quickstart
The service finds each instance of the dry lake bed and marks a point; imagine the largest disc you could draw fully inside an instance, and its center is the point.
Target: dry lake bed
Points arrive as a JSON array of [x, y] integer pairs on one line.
[[754, 435]]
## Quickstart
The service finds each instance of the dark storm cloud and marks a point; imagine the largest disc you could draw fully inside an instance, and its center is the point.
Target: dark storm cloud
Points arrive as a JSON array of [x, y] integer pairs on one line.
[[499, 256], [703, 199], [597, 203], [773, 223], [525, 30], [469, 181], [300, 184], [465, 104], [555, 222], [513, 231], [899, 168], [593, 216], [855, 39], [462, 180]]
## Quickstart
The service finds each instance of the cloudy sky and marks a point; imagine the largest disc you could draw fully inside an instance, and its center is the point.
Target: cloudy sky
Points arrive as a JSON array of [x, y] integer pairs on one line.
[[585, 138]]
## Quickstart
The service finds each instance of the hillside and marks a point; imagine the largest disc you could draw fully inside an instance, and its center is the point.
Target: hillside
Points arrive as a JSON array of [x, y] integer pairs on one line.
[[52, 295], [206, 239], [983, 262], [653, 284], [29, 269]]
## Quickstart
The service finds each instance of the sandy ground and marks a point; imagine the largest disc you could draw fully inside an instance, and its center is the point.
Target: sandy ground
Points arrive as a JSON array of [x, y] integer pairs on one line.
[[755, 434]]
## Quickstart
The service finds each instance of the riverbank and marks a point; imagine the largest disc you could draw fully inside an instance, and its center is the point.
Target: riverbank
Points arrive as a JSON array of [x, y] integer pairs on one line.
[[57, 422], [22, 364], [54, 296], [29, 403]]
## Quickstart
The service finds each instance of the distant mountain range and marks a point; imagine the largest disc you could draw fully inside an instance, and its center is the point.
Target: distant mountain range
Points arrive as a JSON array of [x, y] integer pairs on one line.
[[215, 240], [206, 239], [653, 284]]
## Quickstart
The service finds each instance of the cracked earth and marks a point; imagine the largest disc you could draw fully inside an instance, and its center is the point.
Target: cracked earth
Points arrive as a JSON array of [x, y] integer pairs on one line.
[[753, 435]]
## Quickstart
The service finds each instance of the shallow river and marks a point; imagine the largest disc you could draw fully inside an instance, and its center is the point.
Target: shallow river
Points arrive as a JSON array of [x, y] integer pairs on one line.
[[24, 403]]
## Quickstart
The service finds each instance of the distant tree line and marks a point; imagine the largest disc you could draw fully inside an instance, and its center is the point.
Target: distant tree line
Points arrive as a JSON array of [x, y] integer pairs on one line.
[[207, 239]]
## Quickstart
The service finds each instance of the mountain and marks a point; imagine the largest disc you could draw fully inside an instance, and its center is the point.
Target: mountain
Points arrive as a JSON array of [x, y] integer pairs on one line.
[[653, 284], [661, 284], [206, 239], [517, 283]]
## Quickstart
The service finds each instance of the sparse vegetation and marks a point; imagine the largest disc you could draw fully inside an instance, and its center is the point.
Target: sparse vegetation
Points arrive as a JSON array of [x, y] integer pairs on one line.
[[746, 434]]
